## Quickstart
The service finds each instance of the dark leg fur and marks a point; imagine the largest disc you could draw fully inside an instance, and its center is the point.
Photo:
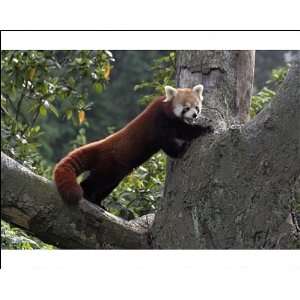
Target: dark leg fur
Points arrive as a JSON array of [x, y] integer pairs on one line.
[[89, 188], [175, 148], [94, 191], [189, 132]]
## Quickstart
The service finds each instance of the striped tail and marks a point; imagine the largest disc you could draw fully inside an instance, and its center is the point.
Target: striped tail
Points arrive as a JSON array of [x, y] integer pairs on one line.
[[65, 175]]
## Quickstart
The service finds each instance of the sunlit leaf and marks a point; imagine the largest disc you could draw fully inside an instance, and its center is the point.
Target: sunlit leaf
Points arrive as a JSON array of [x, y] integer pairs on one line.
[[69, 114], [79, 60], [106, 71], [31, 73], [81, 116], [46, 103], [53, 109]]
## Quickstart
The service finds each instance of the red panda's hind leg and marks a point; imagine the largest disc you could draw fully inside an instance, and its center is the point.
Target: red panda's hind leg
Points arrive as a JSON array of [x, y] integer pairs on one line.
[[94, 190], [89, 187]]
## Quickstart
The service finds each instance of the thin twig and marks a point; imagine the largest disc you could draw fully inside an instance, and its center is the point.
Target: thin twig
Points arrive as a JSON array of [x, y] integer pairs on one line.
[[37, 113], [20, 101], [14, 108]]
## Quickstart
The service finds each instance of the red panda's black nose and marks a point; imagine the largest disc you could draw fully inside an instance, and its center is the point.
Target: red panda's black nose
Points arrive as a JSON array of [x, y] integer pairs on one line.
[[194, 115]]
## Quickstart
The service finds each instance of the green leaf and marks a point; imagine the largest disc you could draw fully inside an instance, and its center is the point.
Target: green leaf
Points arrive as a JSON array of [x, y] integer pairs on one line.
[[53, 109], [69, 114], [43, 111], [79, 60], [13, 93], [98, 87]]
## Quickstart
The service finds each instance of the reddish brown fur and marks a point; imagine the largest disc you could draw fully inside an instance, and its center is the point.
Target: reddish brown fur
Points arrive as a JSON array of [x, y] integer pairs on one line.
[[111, 159]]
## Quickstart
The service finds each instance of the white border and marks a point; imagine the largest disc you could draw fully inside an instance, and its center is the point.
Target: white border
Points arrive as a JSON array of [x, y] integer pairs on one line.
[[150, 274], [150, 40], [157, 274], [155, 14]]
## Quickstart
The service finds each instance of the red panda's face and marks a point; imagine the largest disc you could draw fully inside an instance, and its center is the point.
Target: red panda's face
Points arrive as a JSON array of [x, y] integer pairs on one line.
[[186, 103]]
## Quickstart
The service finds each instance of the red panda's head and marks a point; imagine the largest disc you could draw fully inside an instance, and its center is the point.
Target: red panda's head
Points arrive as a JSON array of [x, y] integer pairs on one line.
[[186, 103]]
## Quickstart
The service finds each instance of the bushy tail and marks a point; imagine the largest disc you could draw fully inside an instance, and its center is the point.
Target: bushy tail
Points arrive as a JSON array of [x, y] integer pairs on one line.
[[65, 175]]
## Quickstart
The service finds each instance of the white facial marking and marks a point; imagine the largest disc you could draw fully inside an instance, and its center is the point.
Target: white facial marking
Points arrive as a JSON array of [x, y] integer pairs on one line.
[[178, 110], [190, 113]]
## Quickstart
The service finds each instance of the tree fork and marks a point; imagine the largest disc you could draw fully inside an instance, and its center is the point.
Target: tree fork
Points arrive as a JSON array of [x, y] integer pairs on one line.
[[235, 189]]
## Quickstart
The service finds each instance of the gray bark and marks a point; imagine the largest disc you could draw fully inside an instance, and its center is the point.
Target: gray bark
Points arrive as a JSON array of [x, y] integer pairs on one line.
[[237, 188], [32, 202], [227, 77]]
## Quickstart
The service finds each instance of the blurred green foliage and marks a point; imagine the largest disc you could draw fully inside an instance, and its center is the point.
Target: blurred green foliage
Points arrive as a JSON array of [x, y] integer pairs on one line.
[[16, 238], [38, 84], [39, 90], [163, 70], [268, 60], [265, 95], [139, 193], [119, 102]]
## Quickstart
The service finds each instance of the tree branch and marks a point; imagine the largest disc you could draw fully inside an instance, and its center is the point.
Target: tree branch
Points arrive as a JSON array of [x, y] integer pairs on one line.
[[31, 202]]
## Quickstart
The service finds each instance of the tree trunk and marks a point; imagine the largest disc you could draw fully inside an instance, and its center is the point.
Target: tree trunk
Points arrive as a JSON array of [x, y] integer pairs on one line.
[[235, 189]]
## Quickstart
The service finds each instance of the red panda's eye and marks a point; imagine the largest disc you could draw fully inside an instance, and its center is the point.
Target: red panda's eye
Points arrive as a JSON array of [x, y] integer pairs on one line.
[[185, 109]]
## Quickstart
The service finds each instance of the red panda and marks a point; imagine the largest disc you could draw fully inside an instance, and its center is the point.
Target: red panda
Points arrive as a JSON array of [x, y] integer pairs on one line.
[[168, 123]]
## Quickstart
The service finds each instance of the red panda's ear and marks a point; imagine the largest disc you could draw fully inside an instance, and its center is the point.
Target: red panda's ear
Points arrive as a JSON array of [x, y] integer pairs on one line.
[[198, 89], [170, 93]]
